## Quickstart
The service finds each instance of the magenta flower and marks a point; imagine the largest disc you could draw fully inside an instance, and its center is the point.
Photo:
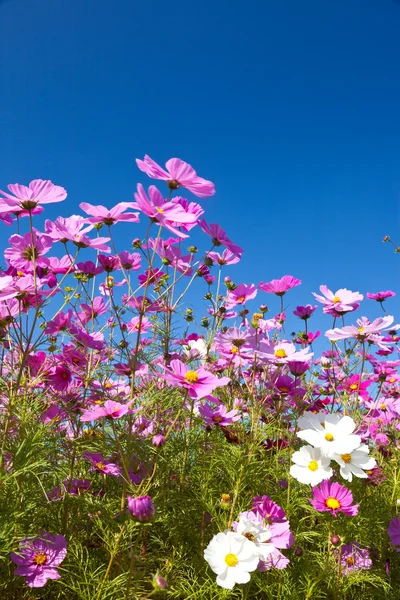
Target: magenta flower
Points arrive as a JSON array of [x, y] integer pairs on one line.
[[394, 533], [304, 312], [219, 415], [28, 250], [178, 174], [380, 296], [240, 295], [38, 558], [101, 464], [27, 198], [353, 558], [110, 408], [280, 286], [219, 237], [226, 258], [130, 261], [199, 383], [191, 208], [141, 507], [117, 214], [333, 498], [59, 378], [70, 229], [166, 213]]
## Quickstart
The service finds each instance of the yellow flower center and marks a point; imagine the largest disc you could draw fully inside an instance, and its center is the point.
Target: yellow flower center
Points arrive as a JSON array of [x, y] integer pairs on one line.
[[280, 353], [329, 437], [160, 210], [225, 497], [332, 503], [336, 299], [383, 406], [346, 458], [250, 536], [350, 561], [361, 329], [241, 299], [313, 465], [354, 386], [231, 560], [40, 558], [283, 389], [100, 465], [392, 380], [234, 350], [191, 377]]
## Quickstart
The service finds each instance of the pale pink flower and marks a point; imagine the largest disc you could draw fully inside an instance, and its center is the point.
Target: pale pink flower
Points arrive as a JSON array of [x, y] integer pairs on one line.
[[27, 198], [342, 301]]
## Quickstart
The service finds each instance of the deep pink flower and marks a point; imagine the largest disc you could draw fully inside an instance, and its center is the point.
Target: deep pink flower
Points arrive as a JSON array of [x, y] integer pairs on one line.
[[380, 296], [101, 464], [353, 385], [219, 237], [141, 507], [394, 532], [178, 174], [110, 408], [307, 337], [89, 268], [38, 558], [199, 383], [304, 312], [130, 261], [190, 207], [240, 295], [60, 377], [101, 214], [333, 498], [27, 198], [280, 286], [219, 415]]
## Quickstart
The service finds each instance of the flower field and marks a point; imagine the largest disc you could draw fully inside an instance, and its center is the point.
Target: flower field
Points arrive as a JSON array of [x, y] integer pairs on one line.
[[167, 432]]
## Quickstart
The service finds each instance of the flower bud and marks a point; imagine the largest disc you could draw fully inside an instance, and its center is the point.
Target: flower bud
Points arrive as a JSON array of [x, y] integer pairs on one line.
[[298, 551], [159, 583], [386, 238], [141, 507], [158, 440], [192, 249], [335, 540], [264, 308], [137, 243]]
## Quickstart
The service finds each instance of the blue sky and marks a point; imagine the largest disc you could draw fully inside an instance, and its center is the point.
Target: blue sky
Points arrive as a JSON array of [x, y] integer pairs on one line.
[[291, 108]]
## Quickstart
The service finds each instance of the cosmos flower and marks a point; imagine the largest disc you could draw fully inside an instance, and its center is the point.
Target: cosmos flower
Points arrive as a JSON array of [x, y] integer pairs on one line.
[[380, 296], [353, 558], [310, 465], [110, 408], [333, 498], [232, 557], [394, 532], [279, 287], [333, 433], [40, 191], [178, 174], [219, 415], [101, 214], [355, 463], [199, 383], [340, 302], [38, 558]]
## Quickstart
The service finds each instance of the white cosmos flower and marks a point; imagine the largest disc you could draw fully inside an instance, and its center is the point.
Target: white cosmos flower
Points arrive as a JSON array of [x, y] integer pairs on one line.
[[310, 466], [257, 532], [355, 463], [196, 349], [332, 433], [232, 557]]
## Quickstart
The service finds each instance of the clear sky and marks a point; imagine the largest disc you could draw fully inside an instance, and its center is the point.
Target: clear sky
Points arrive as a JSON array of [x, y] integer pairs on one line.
[[292, 109]]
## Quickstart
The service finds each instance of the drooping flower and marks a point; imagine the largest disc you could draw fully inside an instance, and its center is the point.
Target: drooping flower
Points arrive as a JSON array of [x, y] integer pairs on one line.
[[380, 296], [353, 558], [333, 433], [101, 214], [394, 532], [178, 174], [141, 508], [355, 463], [232, 557], [219, 237], [279, 287], [304, 312], [311, 466], [38, 558], [333, 498]]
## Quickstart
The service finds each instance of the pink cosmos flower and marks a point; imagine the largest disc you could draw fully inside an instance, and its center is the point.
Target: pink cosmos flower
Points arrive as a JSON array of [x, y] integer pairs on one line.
[[117, 214], [70, 229], [110, 408], [283, 352], [364, 331], [172, 256], [219, 237], [226, 258], [60, 377], [394, 532], [89, 268], [191, 208], [178, 174], [28, 250], [102, 465], [199, 383], [219, 415], [380, 296], [240, 295], [333, 498], [92, 311], [280, 286], [353, 385], [27, 198], [340, 302], [308, 337], [38, 558], [353, 558], [166, 213], [130, 261]]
